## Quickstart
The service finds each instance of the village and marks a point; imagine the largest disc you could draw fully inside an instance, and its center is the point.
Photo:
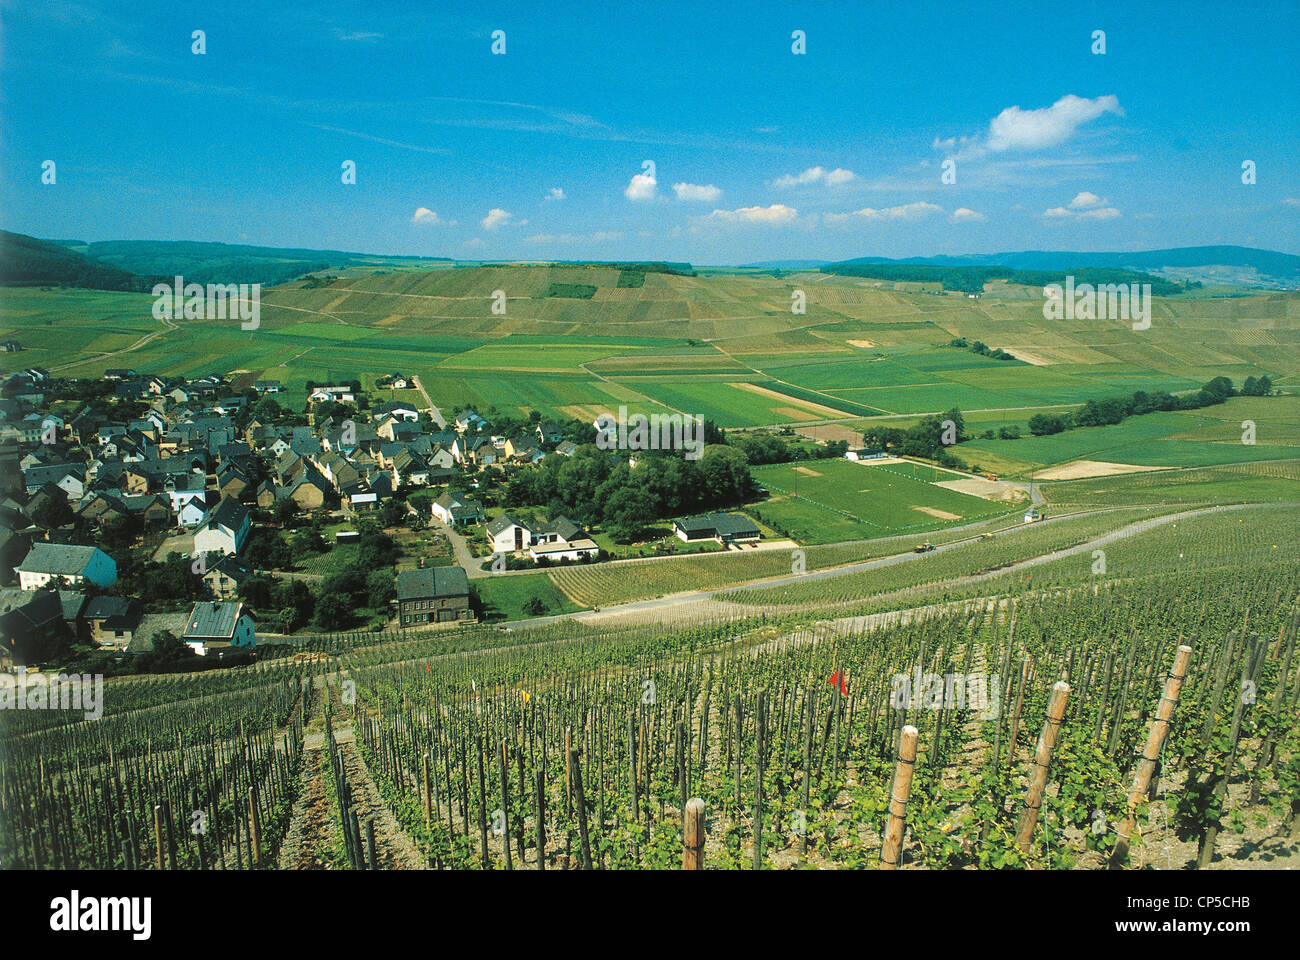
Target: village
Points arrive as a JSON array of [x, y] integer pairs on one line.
[[148, 519]]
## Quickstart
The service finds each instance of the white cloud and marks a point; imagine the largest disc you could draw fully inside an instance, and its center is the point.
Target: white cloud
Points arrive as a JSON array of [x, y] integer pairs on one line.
[[426, 217], [815, 175], [774, 214], [1015, 129], [496, 218], [1085, 206], [966, 215], [641, 187], [1292, 201], [474, 242], [908, 211], [693, 191], [555, 193]]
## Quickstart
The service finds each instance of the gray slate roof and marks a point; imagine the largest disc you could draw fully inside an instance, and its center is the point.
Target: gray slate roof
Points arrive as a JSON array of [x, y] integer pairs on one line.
[[432, 582], [58, 558], [211, 619]]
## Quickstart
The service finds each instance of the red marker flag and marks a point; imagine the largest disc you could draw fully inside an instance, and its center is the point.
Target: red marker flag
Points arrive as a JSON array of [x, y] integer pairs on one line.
[[837, 679]]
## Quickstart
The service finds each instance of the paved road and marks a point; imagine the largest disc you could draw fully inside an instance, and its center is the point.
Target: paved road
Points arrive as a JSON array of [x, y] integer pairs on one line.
[[433, 411]]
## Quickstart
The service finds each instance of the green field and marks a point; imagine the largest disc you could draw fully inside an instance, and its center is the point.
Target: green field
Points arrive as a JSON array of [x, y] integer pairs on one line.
[[688, 343], [824, 501]]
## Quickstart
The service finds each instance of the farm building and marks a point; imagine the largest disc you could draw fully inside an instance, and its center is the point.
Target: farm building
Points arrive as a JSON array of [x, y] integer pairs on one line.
[[722, 527], [864, 453], [219, 625], [435, 595], [65, 564]]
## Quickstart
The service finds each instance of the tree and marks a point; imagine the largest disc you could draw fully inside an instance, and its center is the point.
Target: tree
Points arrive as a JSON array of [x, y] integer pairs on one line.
[[333, 612], [1045, 424]]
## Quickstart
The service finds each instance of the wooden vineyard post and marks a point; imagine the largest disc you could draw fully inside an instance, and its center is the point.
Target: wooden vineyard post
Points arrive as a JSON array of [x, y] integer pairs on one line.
[[254, 827], [580, 801], [1155, 740], [541, 820], [158, 835], [1042, 760], [892, 847], [693, 842], [424, 762]]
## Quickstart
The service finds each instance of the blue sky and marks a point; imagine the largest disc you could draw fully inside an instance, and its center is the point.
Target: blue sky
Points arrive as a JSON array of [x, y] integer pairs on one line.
[[758, 153]]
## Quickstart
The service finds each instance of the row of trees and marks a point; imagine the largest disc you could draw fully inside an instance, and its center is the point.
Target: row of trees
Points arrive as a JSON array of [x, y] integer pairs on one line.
[[931, 439], [594, 487], [1101, 413]]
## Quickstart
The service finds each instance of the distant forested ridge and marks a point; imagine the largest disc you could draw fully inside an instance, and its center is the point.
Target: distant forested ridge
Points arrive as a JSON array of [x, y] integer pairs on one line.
[[971, 279], [204, 262], [26, 261]]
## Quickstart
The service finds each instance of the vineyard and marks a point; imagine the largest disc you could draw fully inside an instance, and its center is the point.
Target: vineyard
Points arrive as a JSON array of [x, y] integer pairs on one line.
[[623, 582], [1144, 717]]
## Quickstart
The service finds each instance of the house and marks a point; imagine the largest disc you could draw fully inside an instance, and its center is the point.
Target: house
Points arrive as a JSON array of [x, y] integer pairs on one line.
[[65, 564], [561, 539], [398, 409], [151, 508], [218, 625], [722, 527], [339, 394], [457, 511], [521, 448], [308, 492], [410, 469], [224, 528], [1033, 515], [11, 346], [264, 387], [183, 489], [549, 433], [559, 529], [227, 575], [432, 595], [566, 448], [32, 629], [507, 535], [192, 513], [473, 450], [555, 551], [68, 477], [14, 545], [111, 621], [864, 453], [468, 421]]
